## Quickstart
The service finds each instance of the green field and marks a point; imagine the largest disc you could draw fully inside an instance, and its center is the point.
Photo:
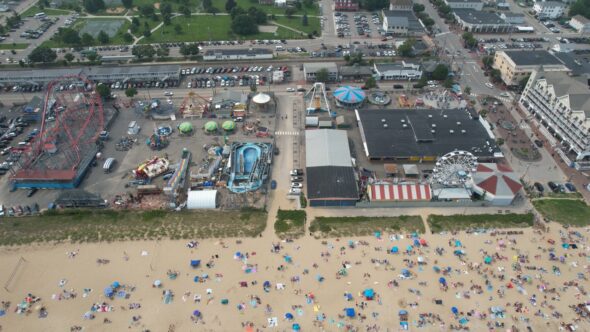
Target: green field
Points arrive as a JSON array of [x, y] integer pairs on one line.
[[48, 11], [79, 225], [297, 23], [290, 223], [361, 226], [270, 9], [80, 25], [459, 222], [14, 46], [564, 211]]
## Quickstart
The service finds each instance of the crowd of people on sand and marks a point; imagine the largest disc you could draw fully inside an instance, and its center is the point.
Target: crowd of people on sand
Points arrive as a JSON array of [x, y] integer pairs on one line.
[[455, 284]]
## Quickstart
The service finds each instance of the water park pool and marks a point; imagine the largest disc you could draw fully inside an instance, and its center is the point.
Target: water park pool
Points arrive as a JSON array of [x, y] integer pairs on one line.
[[248, 166]]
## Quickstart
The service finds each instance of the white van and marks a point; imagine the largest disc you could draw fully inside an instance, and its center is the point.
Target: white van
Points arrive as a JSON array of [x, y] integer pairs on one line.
[[279, 48], [133, 128], [40, 15], [108, 165]]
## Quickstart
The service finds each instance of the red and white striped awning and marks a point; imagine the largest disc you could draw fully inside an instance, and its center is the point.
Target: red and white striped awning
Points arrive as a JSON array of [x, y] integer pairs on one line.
[[399, 192]]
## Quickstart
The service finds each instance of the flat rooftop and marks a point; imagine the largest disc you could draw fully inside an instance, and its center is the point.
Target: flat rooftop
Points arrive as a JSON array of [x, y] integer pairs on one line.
[[405, 133], [533, 58], [472, 16], [413, 23]]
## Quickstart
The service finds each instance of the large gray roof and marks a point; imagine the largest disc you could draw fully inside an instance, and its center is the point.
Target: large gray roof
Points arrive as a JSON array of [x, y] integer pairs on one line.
[[472, 16], [564, 85], [531, 58], [327, 147]]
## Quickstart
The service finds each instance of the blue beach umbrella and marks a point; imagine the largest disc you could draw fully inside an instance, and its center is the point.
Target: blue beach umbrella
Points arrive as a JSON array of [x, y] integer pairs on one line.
[[350, 312], [395, 250]]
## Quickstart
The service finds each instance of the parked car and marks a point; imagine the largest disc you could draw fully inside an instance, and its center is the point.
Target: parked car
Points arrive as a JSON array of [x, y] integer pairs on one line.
[[296, 172], [539, 187], [539, 143], [273, 184], [553, 186], [296, 185], [296, 179], [570, 187], [32, 192]]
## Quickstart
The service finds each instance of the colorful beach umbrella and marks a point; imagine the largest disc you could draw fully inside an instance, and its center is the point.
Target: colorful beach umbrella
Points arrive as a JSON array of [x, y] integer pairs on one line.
[[185, 127], [228, 125], [211, 126]]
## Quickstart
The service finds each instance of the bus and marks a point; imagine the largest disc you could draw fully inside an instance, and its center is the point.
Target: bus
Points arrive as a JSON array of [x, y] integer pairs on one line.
[[523, 29], [40, 15]]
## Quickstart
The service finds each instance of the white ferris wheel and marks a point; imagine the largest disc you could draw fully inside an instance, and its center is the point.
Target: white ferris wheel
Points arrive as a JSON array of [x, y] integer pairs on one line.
[[454, 168]]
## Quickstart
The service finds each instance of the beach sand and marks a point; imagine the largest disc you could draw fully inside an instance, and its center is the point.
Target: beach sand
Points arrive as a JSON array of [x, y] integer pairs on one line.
[[44, 266]]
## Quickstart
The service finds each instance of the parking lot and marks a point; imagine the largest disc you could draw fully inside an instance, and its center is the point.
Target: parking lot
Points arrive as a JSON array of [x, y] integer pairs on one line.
[[211, 77], [358, 24]]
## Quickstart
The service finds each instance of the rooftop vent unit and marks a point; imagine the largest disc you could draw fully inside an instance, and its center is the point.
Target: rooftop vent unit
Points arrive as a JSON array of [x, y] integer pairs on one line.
[[430, 116], [445, 116], [402, 121], [433, 131], [383, 120], [385, 125], [451, 131], [463, 131], [458, 123], [434, 125], [405, 125]]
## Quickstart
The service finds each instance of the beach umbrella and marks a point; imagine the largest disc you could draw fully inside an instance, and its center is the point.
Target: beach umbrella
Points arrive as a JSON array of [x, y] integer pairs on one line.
[[195, 263], [228, 125], [402, 312], [416, 242], [109, 291], [394, 250], [487, 260], [296, 327], [197, 313], [458, 243], [2, 312], [116, 284], [211, 126], [158, 283], [423, 242], [442, 281], [420, 259], [369, 293], [185, 127], [350, 312], [378, 235], [348, 296], [405, 273], [288, 259], [436, 269], [289, 316], [409, 248], [454, 310]]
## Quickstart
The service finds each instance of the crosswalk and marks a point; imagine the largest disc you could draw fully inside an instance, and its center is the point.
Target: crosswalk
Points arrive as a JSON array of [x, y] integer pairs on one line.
[[286, 133], [524, 125]]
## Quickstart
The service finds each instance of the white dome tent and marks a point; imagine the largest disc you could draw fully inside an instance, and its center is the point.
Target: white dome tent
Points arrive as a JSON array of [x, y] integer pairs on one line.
[[201, 199]]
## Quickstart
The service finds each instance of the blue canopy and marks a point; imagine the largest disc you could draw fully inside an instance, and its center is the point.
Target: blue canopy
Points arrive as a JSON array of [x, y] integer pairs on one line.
[[195, 262], [266, 284], [288, 259], [487, 260], [296, 327], [109, 291], [395, 250], [405, 273], [289, 316], [350, 312], [349, 95], [454, 310], [442, 280], [416, 242], [116, 284], [457, 243], [409, 248], [369, 293], [197, 313], [403, 312], [378, 234]]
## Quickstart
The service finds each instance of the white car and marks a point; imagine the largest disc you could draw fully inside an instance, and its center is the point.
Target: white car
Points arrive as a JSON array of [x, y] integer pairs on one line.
[[490, 85], [168, 94], [296, 185], [290, 89]]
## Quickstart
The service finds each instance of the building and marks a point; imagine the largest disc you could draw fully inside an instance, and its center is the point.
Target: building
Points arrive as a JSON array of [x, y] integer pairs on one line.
[[402, 23], [202, 199], [577, 63], [399, 193], [355, 73], [481, 22], [513, 18], [562, 106], [465, 4], [580, 23], [311, 68], [403, 5], [549, 9], [517, 65], [423, 134], [238, 54], [346, 5], [103, 74], [331, 179], [495, 183], [397, 71]]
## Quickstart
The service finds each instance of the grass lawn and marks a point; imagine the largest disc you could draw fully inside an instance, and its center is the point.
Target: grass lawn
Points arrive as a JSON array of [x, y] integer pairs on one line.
[[109, 225], [270, 9], [200, 28], [458, 222], [14, 46], [297, 23], [290, 223], [359, 226], [48, 11], [117, 39], [564, 211]]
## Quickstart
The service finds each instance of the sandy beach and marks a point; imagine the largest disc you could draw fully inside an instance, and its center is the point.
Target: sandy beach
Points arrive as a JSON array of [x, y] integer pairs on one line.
[[490, 279]]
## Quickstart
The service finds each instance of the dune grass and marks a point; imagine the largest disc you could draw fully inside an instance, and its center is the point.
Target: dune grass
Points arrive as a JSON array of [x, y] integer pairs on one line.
[[361, 226], [438, 223]]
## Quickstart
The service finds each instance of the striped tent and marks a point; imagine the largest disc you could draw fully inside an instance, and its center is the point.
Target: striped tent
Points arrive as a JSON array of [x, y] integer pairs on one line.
[[399, 192], [349, 95]]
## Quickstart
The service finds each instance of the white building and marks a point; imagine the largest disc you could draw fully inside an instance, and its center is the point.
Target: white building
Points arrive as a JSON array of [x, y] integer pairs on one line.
[[397, 71], [396, 25], [562, 106], [549, 9], [238, 54], [202, 199], [580, 23], [465, 4]]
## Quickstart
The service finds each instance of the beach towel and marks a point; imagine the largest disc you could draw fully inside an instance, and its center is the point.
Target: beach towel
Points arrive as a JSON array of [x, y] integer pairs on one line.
[[299, 312], [273, 322]]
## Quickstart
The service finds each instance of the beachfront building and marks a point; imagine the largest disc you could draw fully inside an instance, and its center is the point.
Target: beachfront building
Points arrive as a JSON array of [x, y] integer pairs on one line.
[[481, 22], [401, 23], [331, 179], [496, 183], [562, 106], [549, 9], [397, 71], [517, 65], [465, 4], [513, 18], [311, 68], [580, 23]]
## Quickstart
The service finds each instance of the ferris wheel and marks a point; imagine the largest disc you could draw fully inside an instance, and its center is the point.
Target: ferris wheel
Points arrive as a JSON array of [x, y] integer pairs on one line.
[[454, 168]]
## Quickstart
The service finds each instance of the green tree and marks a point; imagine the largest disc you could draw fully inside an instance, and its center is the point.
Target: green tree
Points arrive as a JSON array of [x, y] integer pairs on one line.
[[178, 29], [127, 3], [290, 11], [441, 72], [130, 92], [229, 5], [308, 3], [163, 52], [469, 40], [372, 5], [522, 83], [189, 49], [418, 8], [580, 7], [147, 32], [69, 57], [370, 83], [166, 8], [487, 61], [496, 75], [135, 22], [69, 36], [448, 83], [127, 37], [244, 25], [143, 51], [322, 75], [467, 90], [407, 48], [103, 37], [147, 10], [304, 20], [167, 19], [186, 11], [87, 39], [104, 90], [92, 6], [42, 54], [92, 56]]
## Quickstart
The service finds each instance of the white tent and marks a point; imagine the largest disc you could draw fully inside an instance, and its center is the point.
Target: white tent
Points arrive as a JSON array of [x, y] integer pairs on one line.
[[201, 199]]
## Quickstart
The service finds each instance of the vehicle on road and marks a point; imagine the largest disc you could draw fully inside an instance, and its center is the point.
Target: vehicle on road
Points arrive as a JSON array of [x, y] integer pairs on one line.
[[290, 89], [296, 179], [570, 187], [553, 186], [273, 184], [539, 187], [32, 192], [168, 93], [539, 143], [296, 185], [490, 85], [296, 172]]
